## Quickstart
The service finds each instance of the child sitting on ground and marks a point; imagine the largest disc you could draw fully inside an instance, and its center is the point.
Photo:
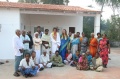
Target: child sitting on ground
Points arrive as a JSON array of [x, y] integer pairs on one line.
[[89, 58], [33, 57], [76, 57], [68, 59]]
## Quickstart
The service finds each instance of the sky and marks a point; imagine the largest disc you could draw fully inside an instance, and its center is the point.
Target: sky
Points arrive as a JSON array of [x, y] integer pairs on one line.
[[107, 12]]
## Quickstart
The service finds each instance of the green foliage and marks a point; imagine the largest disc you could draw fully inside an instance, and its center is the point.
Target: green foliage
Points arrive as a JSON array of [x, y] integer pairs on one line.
[[88, 25], [57, 2], [114, 29], [113, 4], [28, 1]]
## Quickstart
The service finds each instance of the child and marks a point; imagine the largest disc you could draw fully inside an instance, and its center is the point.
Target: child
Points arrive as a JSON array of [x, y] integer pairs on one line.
[[27, 66], [33, 57], [89, 58], [68, 59], [76, 57]]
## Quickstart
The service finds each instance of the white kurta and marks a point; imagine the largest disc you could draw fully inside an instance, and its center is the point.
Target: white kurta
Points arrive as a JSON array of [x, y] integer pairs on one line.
[[55, 43]]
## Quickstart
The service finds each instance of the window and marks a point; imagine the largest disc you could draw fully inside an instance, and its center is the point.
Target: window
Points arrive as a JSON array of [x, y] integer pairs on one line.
[[72, 29]]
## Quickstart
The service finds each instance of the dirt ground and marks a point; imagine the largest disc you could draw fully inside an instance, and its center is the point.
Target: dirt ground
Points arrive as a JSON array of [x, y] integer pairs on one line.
[[67, 72]]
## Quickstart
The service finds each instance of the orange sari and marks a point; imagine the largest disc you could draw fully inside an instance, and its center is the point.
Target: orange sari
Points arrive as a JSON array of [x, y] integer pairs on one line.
[[93, 46]]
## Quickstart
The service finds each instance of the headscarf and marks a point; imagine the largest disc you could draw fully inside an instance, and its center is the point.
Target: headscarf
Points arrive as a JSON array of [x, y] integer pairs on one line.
[[35, 34]]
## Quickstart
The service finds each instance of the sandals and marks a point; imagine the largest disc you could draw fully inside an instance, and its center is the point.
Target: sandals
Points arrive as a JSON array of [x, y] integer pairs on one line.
[[16, 74], [1, 63]]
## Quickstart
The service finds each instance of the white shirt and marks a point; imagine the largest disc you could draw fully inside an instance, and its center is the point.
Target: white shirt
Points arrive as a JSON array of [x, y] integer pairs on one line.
[[24, 63], [44, 59], [17, 44], [26, 45], [99, 62], [69, 57], [34, 60]]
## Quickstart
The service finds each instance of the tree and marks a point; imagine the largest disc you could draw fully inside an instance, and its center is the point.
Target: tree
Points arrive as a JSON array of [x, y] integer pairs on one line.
[[57, 2], [29, 1], [114, 29], [113, 4]]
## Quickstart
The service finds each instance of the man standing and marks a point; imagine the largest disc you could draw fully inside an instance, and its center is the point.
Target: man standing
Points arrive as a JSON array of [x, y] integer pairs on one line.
[[39, 31], [46, 42], [99, 37], [31, 41], [25, 39], [18, 49], [78, 34]]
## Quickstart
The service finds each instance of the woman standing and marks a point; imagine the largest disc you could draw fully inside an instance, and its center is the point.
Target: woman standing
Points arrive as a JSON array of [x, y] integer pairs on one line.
[[93, 45], [55, 41], [104, 50], [84, 43], [64, 42], [37, 41], [75, 44]]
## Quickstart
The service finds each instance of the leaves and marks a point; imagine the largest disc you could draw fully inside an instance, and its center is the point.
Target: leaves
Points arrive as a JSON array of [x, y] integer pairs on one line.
[[114, 29], [57, 2]]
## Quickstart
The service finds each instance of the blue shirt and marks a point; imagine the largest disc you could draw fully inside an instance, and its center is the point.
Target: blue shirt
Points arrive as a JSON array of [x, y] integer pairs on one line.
[[89, 58]]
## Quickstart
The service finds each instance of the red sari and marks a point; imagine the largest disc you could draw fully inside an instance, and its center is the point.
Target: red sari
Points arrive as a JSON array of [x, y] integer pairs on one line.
[[93, 46], [103, 45]]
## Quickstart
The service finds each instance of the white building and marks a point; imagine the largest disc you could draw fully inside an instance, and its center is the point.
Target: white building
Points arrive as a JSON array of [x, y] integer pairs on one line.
[[28, 16]]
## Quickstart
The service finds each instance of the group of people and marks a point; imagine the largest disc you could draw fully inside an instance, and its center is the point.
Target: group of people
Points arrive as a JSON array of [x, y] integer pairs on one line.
[[33, 54]]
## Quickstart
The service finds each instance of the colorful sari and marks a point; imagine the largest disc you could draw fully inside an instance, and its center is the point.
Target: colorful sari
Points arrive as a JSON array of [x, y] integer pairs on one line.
[[82, 64], [103, 45], [75, 43], [84, 41], [93, 46], [63, 47]]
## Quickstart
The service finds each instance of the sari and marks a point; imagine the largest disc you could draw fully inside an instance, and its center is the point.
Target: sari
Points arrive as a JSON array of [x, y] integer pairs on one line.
[[75, 43], [93, 46], [84, 41], [82, 64], [69, 44], [63, 47], [103, 45]]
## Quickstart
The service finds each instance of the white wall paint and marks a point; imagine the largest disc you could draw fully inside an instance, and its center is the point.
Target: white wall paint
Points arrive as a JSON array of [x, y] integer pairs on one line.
[[10, 21], [97, 24], [50, 21]]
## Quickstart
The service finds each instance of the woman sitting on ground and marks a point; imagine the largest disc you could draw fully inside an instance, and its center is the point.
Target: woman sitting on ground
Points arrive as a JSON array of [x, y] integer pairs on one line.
[[27, 66], [97, 63], [82, 63]]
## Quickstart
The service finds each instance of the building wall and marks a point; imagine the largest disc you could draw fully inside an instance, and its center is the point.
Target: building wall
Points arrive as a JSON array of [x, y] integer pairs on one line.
[[50, 21], [9, 21]]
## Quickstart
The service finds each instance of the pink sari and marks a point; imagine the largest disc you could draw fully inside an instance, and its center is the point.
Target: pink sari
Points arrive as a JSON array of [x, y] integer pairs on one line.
[[103, 45]]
